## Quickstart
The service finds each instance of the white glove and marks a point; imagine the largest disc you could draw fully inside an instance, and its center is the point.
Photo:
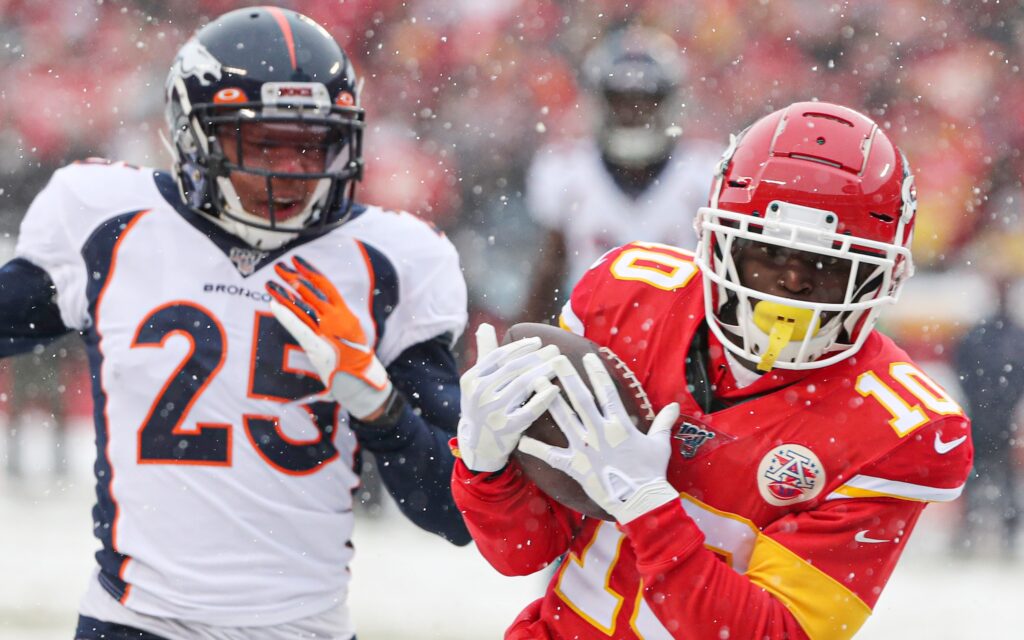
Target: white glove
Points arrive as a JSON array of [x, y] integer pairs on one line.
[[316, 315], [495, 411], [622, 469]]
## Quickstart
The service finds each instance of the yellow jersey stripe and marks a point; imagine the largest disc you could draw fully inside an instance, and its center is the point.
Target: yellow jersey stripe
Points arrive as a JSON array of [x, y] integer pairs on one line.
[[823, 607]]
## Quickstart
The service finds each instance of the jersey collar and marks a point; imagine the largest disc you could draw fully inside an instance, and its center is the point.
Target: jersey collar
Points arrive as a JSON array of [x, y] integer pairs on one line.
[[729, 386], [246, 259]]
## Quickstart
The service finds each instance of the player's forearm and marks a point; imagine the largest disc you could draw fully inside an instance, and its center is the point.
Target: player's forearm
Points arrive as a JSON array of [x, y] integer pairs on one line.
[[692, 592], [29, 315], [415, 463], [413, 456], [518, 529]]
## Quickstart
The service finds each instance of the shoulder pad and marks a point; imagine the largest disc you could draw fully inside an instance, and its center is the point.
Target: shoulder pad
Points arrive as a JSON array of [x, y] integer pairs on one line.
[[638, 274]]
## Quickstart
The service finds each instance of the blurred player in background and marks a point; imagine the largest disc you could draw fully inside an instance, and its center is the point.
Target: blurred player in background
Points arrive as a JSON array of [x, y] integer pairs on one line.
[[250, 328], [636, 178], [778, 504], [990, 365]]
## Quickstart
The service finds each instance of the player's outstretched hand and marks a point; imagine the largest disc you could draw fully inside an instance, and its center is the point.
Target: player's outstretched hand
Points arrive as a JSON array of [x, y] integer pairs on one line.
[[313, 311], [621, 468], [495, 410]]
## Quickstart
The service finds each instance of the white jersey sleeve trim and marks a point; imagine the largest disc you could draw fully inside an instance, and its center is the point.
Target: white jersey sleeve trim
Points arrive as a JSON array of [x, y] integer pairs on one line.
[[570, 321], [77, 200], [862, 486], [432, 292]]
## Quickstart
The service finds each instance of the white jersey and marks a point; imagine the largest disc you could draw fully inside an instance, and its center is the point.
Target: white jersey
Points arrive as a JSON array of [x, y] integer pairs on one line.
[[224, 486], [569, 189]]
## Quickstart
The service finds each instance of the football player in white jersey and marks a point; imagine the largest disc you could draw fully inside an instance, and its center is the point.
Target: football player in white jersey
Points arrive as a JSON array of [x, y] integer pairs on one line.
[[634, 179], [250, 329]]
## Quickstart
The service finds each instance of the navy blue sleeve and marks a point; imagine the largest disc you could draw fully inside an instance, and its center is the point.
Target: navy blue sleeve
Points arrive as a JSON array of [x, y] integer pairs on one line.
[[29, 316], [413, 457]]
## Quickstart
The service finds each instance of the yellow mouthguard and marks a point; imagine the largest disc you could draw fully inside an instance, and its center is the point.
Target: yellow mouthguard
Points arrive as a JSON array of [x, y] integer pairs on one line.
[[783, 324]]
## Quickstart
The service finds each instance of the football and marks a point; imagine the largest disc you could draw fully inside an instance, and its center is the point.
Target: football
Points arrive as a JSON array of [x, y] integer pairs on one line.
[[551, 481]]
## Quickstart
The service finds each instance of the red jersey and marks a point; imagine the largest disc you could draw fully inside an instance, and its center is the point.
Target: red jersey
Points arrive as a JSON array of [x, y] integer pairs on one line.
[[797, 494]]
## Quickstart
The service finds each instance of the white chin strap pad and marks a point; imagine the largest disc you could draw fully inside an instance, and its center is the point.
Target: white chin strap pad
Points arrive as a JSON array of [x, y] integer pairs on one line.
[[255, 236]]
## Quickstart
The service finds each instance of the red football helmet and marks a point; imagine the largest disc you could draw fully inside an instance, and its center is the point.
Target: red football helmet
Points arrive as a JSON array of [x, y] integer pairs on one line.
[[813, 177]]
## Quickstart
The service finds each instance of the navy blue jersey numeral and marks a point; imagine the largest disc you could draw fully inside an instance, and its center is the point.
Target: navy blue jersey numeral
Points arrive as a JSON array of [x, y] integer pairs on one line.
[[161, 437], [272, 379], [162, 440]]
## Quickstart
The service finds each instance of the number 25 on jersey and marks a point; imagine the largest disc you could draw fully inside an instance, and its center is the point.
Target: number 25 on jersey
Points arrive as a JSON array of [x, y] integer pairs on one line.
[[162, 440]]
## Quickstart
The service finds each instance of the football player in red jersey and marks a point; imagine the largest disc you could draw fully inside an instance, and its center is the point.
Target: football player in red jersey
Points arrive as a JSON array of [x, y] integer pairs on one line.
[[806, 446]]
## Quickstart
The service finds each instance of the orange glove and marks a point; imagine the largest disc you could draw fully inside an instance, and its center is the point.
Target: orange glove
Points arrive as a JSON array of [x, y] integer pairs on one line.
[[313, 311]]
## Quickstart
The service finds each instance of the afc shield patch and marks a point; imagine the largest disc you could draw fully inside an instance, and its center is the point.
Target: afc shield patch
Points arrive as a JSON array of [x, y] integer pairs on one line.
[[790, 473]]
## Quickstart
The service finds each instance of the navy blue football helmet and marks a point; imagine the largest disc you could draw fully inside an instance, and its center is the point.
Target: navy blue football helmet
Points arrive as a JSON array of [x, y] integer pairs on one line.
[[274, 67], [636, 73]]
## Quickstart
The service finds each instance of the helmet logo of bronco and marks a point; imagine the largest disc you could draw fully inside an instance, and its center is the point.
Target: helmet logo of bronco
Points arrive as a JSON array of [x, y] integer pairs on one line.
[[195, 60]]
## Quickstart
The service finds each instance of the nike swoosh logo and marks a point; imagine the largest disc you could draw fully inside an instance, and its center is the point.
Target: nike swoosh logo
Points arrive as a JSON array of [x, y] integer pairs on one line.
[[862, 536], [945, 447]]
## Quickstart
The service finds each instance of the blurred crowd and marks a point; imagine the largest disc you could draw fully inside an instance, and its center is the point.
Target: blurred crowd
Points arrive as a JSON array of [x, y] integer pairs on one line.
[[460, 93]]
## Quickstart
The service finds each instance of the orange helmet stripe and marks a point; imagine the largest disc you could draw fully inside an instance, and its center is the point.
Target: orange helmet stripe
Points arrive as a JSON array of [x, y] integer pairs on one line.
[[286, 29]]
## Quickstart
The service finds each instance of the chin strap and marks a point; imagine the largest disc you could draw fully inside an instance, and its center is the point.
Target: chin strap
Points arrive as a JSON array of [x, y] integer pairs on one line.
[[783, 324]]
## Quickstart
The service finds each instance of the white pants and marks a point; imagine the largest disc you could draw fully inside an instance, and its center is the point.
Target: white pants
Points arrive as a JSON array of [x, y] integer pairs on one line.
[[333, 624]]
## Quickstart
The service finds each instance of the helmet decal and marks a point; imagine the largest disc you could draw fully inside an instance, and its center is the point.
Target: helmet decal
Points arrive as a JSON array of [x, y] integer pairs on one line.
[[239, 76], [230, 94], [195, 61]]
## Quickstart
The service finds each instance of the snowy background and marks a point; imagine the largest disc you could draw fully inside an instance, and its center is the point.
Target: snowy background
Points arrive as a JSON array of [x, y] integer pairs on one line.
[[459, 94], [408, 585]]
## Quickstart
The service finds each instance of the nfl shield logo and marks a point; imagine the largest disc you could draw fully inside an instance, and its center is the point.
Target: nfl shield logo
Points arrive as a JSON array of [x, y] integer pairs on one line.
[[246, 260], [691, 436]]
